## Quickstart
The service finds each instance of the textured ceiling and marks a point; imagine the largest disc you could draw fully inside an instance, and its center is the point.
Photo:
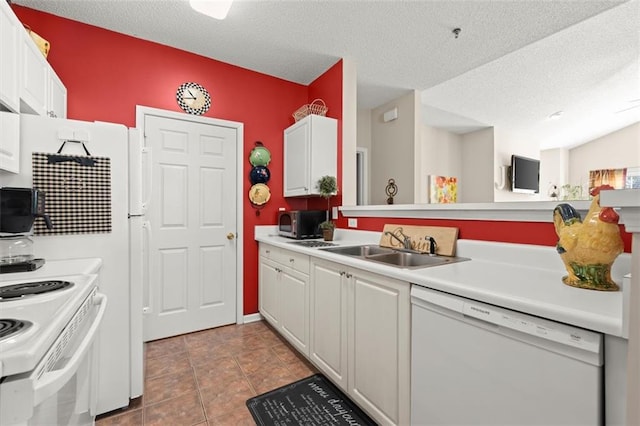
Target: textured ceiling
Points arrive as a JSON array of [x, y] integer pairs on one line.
[[495, 69]]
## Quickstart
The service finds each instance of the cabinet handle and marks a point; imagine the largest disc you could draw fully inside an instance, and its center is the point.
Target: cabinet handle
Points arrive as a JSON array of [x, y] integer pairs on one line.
[[342, 273], [349, 275], [291, 260], [267, 251]]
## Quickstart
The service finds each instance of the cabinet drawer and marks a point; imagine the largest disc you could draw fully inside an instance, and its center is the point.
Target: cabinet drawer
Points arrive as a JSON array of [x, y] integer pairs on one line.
[[268, 252], [296, 261]]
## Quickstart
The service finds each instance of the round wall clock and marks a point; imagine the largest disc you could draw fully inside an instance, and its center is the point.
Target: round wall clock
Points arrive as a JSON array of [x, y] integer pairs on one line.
[[193, 98]]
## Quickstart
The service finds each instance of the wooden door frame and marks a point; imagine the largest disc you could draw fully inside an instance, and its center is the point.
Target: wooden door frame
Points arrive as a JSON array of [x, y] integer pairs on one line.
[[142, 112]]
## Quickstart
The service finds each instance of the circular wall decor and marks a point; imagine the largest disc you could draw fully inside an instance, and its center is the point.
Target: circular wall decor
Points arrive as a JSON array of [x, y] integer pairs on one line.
[[193, 98], [259, 156], [259, 174], [259, 194]]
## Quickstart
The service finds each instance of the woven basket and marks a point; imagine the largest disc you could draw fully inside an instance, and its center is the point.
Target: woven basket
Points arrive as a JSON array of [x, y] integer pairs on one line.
[[317, 107]]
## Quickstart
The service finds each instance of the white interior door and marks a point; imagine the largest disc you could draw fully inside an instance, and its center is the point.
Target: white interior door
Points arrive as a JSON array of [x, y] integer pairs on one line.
[[191, 220]]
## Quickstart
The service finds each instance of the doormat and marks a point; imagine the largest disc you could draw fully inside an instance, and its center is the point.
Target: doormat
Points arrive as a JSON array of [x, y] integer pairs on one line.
[[310, 402]]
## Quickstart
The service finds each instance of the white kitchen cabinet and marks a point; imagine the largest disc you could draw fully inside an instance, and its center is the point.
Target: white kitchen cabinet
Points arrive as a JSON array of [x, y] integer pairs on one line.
[[284, 294], [57, 96], [268, 294], [615, 380], [360, 337], [41, 90], [310, 152], [33, 78], [328, 320], [380, 324], [10, 141], [10, 31]]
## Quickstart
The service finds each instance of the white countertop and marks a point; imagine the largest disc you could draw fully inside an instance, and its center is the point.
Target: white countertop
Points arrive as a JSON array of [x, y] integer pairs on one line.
[[525, 278]]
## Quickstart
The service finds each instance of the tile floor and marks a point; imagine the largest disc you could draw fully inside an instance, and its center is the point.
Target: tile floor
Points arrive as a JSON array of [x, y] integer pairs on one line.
[[204, 378]]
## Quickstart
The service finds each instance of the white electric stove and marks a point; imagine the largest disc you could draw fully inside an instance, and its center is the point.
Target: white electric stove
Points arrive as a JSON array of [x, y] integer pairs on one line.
[[45, 310], [48, 329]]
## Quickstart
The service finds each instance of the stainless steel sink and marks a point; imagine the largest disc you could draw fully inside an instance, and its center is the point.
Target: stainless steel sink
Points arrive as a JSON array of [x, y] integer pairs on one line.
[[361, 251], [392, 257], [414, 260]]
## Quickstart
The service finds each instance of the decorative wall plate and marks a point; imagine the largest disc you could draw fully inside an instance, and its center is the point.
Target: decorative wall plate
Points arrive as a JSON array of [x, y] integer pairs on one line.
[[259, 156], [259, 174], [259, 194]]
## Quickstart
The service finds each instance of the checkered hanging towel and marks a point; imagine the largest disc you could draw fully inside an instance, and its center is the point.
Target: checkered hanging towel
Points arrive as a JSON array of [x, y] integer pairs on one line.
[[78, 192]]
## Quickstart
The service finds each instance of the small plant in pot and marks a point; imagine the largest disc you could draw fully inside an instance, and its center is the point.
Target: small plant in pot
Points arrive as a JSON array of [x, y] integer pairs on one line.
[[328, 187]]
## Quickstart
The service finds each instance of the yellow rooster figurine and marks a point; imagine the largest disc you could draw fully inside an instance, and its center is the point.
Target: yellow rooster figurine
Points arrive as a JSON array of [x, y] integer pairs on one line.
[[588, 248]]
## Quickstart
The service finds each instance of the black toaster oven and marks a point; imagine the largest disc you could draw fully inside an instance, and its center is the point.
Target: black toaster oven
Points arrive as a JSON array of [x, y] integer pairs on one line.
[[301, 224]]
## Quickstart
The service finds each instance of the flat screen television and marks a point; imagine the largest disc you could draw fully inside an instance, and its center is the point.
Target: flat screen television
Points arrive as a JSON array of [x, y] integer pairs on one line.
[[525, 175]]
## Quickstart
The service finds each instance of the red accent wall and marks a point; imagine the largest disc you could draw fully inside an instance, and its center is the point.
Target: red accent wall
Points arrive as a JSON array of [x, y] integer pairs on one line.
[[107, 74], [327, 87]]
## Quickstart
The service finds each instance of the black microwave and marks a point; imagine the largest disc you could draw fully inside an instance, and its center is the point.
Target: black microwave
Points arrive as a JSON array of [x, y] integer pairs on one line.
[[301, 224]]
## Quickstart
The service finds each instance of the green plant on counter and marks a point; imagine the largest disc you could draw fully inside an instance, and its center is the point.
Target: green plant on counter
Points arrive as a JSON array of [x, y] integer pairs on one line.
[[327, 224], [328, 187]]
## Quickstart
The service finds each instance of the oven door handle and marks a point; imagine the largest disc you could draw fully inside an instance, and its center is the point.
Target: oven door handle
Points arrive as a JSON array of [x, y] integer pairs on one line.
[[52, 382]]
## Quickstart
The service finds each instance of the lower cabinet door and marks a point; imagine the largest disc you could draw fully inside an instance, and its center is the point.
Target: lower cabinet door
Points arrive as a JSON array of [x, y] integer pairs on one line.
[[328, 317], [268, 291], [294, 308], [379, 347]]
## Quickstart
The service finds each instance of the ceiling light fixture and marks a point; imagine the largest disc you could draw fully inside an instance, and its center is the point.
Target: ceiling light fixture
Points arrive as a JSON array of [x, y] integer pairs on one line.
[[217, 9]]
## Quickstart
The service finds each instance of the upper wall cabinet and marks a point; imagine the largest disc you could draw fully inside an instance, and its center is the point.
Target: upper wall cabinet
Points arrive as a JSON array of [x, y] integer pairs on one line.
[[41, 91], [57, 96], [10, 141], [10, 32], [310, 152]]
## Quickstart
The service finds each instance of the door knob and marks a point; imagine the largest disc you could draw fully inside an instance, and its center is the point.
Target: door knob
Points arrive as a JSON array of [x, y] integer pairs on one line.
[[231, 236]]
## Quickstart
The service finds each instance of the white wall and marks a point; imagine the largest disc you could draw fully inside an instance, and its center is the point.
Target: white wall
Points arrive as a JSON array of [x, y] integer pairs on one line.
[[554, 170], [393, 150], [364, 141], [480, 155], [477, 177], [507, 143], [441, 155], [616, 150], [349, 131]]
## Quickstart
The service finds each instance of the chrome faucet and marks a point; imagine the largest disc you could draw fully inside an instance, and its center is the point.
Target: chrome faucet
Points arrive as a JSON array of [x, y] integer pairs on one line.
[[406, 243]]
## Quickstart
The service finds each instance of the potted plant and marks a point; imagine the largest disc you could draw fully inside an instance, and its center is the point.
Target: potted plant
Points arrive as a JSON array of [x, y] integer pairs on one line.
[[328, 187]]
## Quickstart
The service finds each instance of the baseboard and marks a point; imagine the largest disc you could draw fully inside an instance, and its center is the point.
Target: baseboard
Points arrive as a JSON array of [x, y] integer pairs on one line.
[[252, 318]]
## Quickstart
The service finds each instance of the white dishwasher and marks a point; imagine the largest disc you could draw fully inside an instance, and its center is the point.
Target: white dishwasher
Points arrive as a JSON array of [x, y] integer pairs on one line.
[[478, 364]]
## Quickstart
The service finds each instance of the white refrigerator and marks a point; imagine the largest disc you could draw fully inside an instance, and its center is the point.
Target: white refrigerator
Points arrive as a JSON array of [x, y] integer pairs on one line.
[[121, 347]]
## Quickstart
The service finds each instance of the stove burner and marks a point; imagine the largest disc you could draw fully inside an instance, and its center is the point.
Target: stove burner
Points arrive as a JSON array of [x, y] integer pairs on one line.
[[9, 327], [311, 243], [31, 288]]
